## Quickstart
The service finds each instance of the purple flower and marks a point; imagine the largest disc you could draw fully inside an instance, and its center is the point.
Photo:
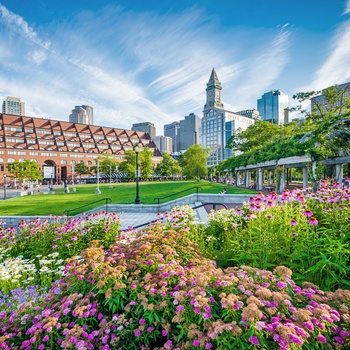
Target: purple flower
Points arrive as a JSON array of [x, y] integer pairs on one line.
[[293, 223], [195, 342], [344, 334], [307, 213], [206, 315], [208, 345], [281, 285], [142, 321], [168, 344], [295, 339], [164, 333], [254, 340], [339, 340], [137, 333], [313, 221], [322, 338], [179, 308], [150, 329]]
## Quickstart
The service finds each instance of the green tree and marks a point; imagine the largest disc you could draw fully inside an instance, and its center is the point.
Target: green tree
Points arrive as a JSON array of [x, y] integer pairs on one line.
[[252, 137], [27, 170], [145, 163], [168, 166], [195, 159], [128, 166], [107, 164], [82, 169]]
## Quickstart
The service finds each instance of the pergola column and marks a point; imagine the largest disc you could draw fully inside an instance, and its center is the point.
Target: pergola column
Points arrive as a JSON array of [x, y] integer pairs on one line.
[[238, 178], [268, 177], [247, 178], [282, 180], [260, 176], [230, 179], [339, 173], [305, 177]]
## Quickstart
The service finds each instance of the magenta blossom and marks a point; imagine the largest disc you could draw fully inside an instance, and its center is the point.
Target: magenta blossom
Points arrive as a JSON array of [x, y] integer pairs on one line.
[[313, 221], [254, 340]]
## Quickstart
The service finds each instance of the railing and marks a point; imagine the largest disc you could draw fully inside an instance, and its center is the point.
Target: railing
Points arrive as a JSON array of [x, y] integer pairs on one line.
[[214, 204], [174, 194], [106, 200], [211, 203]]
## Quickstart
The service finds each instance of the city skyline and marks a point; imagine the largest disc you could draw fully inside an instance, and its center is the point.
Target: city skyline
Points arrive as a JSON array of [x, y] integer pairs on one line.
[[150, 61]]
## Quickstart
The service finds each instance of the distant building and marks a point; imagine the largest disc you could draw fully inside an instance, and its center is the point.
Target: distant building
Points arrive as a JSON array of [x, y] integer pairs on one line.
[[250, 113], [189, 131], [172, 131], [147, 127], [82, 115], [272, 106], [321, 101], [164, 144], [14, 106], [218, 124], [58, 145]]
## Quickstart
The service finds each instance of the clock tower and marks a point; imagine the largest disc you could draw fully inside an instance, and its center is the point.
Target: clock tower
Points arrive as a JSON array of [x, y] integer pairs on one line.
[[213, 92]]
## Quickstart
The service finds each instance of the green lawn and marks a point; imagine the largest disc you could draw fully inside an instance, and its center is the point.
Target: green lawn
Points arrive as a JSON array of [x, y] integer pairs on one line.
[[121, 193]]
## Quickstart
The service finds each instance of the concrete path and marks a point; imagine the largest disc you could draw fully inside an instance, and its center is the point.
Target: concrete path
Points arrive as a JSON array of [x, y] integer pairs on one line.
[[135, 219]]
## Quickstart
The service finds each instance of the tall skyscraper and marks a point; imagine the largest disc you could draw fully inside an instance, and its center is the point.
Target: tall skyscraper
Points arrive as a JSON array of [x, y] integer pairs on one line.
[[172, 130], [164, 143], [147, 127], [13, 105], [321, 101], [271, 106], [218, 124], [189, 131], [82, 115]]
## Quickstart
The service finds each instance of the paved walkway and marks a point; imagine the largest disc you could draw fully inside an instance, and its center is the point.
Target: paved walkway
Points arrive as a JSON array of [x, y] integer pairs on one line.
[[135, 219]]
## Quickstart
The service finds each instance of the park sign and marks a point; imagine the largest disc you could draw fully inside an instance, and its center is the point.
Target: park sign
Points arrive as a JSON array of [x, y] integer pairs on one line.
[[49, 172]]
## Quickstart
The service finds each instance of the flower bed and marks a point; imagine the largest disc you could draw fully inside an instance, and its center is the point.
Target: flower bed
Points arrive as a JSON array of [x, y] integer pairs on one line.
[[154, 289], [307, 232]]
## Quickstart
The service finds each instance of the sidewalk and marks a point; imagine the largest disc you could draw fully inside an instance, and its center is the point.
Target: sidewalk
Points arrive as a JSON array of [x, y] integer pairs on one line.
[[135, 219]]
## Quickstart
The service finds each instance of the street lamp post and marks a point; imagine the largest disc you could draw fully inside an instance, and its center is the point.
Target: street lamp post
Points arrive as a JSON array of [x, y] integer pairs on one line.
[[110, 176], [137, 199], [98, 178], [4, 186]]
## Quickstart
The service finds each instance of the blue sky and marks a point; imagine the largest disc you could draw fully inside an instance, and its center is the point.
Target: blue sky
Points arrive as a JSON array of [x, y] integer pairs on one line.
[[139, 60]]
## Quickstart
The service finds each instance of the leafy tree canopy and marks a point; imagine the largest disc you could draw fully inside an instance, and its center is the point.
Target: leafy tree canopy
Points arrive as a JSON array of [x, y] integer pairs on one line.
[[323, 132], [195, 160], [26, 170], [168, 166]]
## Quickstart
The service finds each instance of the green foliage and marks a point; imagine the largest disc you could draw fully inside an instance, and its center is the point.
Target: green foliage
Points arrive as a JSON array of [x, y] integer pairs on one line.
[[154, 289], [128, 166], [323, 133], [168, 166], [270, 231], [26, 170], [145, 163], [81, 169], [107, 164], [195, 160]]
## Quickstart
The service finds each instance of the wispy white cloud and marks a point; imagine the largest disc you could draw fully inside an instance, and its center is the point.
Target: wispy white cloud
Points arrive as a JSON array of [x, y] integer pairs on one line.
[[335, 69], [347, 7], [18, 24], [134, 67]]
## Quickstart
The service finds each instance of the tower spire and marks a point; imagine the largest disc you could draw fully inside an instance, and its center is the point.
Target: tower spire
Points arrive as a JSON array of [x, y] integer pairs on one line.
[[213, 92]]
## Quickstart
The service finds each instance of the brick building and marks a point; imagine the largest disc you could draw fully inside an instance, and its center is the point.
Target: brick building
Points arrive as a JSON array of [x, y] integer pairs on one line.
[[59, 145]]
